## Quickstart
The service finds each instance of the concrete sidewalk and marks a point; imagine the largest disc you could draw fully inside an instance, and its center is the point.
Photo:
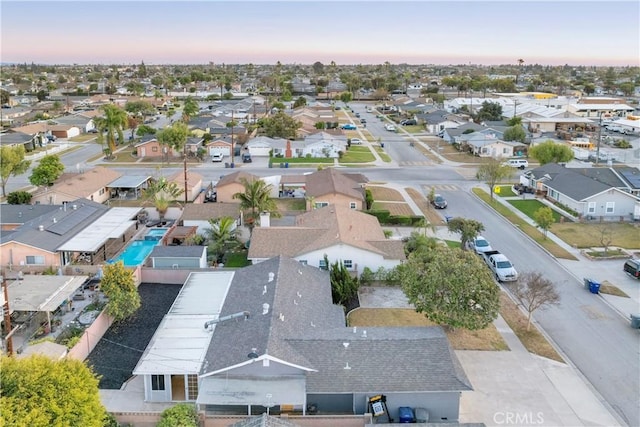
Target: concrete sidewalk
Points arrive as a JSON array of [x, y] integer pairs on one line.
[[514, 387]]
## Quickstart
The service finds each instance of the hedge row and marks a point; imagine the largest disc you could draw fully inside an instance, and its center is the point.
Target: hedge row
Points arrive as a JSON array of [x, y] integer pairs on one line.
[[385, 218]]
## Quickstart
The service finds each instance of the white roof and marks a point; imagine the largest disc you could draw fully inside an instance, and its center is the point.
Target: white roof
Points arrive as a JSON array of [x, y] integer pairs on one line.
[[111, 225], [42, 293], [180, 343], [603, 107], [266, 391]]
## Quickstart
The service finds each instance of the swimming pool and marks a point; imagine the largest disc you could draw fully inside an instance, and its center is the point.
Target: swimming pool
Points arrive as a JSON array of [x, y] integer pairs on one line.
[[138, 250]]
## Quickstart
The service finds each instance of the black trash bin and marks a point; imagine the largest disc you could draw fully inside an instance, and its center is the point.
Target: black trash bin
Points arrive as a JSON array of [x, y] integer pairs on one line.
[[594, 287]]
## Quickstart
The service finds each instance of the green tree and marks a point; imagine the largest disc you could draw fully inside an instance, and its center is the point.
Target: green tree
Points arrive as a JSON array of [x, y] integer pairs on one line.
[[118, 285], [39, 391], [533, 292], [544, 219], [139, 109], [514, 121], [450, 287], [256, 198], [174, 136], [113, 122], [190, 109], [344, 287], [492, 173], [489, 111], [280, 126], [162, 193], [300, 102], [19, 198], [627, 88], [419, 242], [220, 233], [135, 88], [180, 415], [514, 133], [4, 97], [551, 152], [346, 97], [47, 172], [469, 229], [146, 130], [12, 163]]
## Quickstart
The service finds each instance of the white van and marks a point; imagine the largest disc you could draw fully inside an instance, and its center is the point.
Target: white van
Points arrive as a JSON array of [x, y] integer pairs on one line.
[[517, 163]]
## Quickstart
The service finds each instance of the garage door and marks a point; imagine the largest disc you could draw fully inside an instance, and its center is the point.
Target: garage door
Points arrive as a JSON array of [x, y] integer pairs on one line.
[[225, 151]]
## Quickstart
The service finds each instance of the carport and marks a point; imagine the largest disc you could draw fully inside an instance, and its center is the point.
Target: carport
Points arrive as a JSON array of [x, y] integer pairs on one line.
[[128, 186]]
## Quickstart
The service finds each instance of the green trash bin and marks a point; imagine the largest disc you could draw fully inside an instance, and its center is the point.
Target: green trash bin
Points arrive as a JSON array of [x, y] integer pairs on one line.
[[635, 321]]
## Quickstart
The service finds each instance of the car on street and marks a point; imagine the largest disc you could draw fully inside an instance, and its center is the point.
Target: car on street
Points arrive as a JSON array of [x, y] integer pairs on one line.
[[390, 127], [349, 126], [356, 141], [217, 157], [479, 245], [409, 122], [363, 121], [439, 202]]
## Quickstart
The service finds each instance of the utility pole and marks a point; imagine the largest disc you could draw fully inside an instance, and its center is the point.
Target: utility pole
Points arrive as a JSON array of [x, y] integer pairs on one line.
[[599, 138], [186, 196], [7, 317]]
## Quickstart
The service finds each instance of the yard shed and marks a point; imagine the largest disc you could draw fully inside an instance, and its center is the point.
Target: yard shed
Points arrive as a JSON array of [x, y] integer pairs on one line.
[[179, 257]]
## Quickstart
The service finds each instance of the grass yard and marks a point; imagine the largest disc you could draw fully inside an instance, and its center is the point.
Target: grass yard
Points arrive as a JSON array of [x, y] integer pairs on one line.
[[413, 128], [487, 339], [532, 339], [624, 235], [385, 194], [357, 155], [383, 155], [506, 191], [236, 258], [528, 229], [452, 243], [429, 212], [529, 208], [400, 209], [290, 204], [607, 287], [304, 160]]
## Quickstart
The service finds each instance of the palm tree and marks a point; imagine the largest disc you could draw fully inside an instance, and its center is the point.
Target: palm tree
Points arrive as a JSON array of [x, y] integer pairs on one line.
[[162, 193], [221, 232], [189, 110], [256, 198], [113, 123]]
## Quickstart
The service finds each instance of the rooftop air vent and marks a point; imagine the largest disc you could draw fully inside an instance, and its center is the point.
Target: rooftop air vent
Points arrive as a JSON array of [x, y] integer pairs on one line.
[[41, 227], [265, 308], [271, 276], [253, 354]]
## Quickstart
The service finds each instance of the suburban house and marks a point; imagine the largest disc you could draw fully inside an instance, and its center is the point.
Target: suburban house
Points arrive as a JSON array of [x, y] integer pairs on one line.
[[38, 130], [15, 139], [341, 233], [262, 146], [222, 146], [192, 145], [437, 121], [81, 121], [80, 229], [92, 185], [586, 193], [193, 184], [175, 257], [322, 144], [150, 148], [199, 214], [230, 184], [455, 135], [268, 336], [487, 143], [64, 131], [331, 187]]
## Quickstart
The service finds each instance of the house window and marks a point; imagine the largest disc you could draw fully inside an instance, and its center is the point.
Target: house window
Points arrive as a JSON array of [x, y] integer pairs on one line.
[[321, 204], [157, 382], [303, 261], [101, 192], [610, 207], [323, 265], [591, 208], [348, 264], [35, 260], [154, 149], [353, 205], [192, 387]]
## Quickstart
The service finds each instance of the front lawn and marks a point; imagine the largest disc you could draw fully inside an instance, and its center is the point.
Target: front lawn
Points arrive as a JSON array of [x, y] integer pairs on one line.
[[506, 191], [383, 155], [298, 160], [623, 235], [529, 208], [357, 155]]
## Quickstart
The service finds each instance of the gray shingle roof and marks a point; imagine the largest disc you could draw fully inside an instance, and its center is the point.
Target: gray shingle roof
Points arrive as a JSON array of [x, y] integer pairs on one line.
[[177, 251], [568, 181]]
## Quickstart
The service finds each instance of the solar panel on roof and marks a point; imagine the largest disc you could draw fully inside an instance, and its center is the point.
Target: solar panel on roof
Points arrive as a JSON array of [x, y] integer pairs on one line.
[[633, 178], [66, 224]]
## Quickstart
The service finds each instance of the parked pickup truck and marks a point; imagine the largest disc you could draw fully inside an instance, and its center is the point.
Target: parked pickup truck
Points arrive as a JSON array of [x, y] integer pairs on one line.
[[500, 266]]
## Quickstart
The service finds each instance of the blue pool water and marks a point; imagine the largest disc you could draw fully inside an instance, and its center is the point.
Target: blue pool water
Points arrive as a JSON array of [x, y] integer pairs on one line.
[[138, 250]]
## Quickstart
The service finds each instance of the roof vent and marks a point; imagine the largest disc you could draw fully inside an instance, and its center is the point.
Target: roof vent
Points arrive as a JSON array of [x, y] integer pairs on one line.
[[345, 344], [347, 367], [41, 227], [264, 290], [74, 207], [364, 334], [253, 354], [265, 308], [281, 317], [271, 276], [54, 220], [19, 214]]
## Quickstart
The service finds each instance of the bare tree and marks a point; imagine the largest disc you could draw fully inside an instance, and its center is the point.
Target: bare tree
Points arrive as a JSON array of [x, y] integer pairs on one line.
[[606, 236], [534, 291]]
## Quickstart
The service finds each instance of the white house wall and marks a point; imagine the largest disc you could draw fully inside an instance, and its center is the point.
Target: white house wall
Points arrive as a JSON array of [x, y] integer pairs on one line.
[[360, 257]]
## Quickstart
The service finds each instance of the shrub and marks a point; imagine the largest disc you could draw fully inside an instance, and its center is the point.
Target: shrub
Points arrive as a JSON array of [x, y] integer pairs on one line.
[[367, 276], [19, 198], [180, 415]]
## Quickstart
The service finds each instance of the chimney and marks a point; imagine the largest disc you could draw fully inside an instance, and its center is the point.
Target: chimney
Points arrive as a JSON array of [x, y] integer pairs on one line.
[[265, 219], [287, 151]]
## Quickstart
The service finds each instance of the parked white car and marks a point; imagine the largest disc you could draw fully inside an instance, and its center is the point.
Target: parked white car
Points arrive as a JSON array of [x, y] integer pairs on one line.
[[390, 127], [356, 141], [217, 157], [480, 245]]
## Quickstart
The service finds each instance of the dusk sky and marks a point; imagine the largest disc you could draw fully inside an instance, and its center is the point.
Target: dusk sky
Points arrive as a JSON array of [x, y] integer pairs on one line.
[[359, 32]]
